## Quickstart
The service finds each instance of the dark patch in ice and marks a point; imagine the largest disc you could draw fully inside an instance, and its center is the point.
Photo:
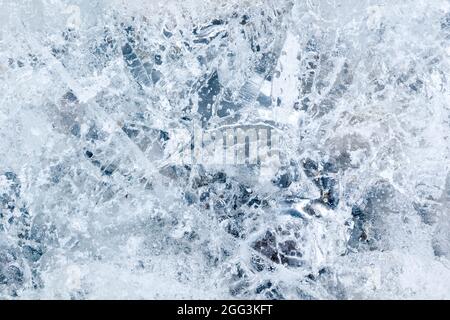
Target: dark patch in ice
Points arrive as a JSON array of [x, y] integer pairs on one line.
[[321, 175], [207, 97], [280, 252], [368, 217], [19, 250], [136, 66]]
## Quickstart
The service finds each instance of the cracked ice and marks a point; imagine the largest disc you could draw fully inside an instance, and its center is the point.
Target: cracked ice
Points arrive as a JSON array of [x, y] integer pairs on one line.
[[352, 202]]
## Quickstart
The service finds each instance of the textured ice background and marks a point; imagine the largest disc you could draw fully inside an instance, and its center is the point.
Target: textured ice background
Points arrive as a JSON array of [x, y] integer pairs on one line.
[[360, 208]]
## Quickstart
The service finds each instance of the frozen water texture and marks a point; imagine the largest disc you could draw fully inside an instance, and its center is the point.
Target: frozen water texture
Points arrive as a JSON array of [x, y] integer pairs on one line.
[[358, 205]]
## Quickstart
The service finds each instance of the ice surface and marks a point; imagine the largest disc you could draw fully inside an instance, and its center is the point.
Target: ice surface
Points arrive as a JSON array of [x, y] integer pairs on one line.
[[98, 97]]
